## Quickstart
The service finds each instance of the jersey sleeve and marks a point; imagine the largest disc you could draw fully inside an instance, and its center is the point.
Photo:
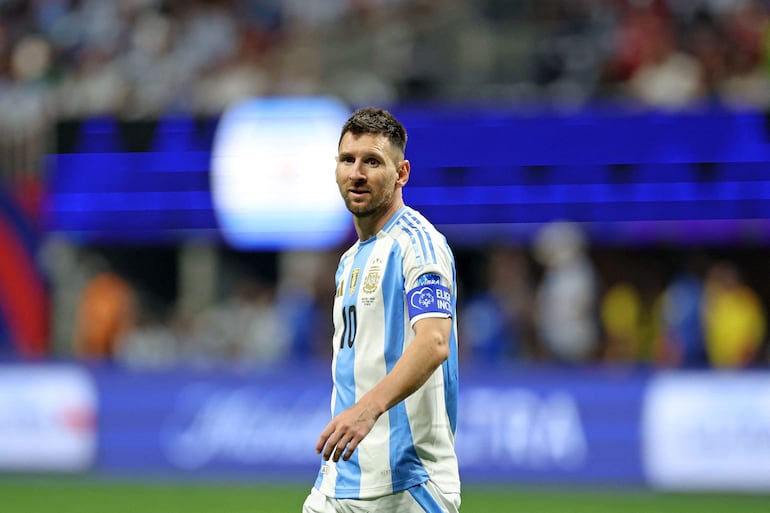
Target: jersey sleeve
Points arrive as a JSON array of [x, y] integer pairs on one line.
[[428, 282]]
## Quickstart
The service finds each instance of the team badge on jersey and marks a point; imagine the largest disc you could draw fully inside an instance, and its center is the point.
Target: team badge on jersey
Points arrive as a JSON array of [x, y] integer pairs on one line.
[[372, 278], [429, 296]]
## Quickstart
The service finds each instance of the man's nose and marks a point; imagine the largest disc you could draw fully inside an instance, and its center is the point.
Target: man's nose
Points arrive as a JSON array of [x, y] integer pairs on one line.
[[357, 172]]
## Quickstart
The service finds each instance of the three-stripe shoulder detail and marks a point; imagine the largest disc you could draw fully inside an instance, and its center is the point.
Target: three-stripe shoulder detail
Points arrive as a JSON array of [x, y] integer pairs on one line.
[[419, 235]]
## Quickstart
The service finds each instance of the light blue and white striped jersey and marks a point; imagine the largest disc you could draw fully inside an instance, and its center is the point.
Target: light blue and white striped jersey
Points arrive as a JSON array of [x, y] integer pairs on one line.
[[384, 285]]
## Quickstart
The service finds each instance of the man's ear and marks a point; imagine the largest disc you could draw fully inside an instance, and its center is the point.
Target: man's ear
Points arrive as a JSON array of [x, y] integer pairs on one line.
[[403, 172]]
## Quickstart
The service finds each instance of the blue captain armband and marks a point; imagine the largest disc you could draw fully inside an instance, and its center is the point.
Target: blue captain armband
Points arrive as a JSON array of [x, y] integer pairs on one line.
[[429, 297]]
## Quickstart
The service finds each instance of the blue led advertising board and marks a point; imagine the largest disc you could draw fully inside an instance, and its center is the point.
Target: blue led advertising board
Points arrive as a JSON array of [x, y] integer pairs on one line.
[[261, 176]]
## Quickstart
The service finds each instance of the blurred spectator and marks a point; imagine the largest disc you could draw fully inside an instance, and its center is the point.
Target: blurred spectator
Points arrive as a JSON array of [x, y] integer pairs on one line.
[[150, 344], [497, 319], [95, 86], [26, 106], [241, 75], [664, 76], [304, 298], [566, 296], [734, 318], [621, 315], [106, 312], [682, 322], [159, 80], [571, 50], [747, 82], [244, 330]]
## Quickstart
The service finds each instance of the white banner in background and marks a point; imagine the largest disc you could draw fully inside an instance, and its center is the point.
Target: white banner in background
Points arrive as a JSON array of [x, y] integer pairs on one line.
[[519, 428], [707, 431], [47, 418]]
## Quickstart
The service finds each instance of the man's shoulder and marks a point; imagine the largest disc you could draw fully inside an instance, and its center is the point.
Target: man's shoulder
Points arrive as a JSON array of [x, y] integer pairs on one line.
[[420, 243], [411, 224]]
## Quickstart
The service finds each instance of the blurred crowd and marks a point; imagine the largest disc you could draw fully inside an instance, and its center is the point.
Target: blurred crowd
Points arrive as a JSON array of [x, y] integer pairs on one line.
[[138, 58], [567, 303], [557, 301]]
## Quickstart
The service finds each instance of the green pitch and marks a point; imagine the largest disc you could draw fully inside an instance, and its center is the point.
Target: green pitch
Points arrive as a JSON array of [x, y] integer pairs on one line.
[[81, 495]]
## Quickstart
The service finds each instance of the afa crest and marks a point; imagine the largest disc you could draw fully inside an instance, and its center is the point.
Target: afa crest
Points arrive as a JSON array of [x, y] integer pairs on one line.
[[372, 279]]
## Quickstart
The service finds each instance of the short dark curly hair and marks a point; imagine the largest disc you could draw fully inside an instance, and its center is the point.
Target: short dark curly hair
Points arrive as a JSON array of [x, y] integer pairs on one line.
[[371, 120]]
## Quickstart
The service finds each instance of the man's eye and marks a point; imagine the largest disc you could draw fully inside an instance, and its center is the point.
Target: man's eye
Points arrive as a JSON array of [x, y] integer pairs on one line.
[[372, 162]]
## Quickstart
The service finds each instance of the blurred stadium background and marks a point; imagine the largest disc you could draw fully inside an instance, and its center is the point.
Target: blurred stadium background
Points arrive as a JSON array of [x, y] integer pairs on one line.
[[169, 228]]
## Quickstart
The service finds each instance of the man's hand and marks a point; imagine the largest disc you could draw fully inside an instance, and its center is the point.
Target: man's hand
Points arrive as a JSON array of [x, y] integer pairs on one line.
[[345, 431], [428, 350]]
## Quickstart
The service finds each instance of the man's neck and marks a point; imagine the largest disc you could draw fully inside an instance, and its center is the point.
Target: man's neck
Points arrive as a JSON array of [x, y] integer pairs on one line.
[[367, 227]]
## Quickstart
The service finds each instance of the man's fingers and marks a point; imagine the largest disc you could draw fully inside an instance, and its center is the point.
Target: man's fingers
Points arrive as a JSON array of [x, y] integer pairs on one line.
[[334, 445], [321, 442], [337, 453], [328, 451], [324, 438], [340, 438], [351, 447], [328, 448], [343, 449]]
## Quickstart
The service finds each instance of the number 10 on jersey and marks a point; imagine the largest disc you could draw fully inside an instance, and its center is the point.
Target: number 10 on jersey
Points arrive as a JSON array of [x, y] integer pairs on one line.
[[349, 325]]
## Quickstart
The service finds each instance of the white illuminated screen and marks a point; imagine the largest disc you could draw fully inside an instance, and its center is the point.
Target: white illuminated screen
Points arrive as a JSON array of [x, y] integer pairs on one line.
[[273, 174]]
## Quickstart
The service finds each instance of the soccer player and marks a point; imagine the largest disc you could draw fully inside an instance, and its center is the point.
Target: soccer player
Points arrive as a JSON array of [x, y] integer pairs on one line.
[[390, 443]]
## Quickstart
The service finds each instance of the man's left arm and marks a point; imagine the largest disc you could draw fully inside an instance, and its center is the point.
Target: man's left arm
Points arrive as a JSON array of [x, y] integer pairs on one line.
[[427, 351]]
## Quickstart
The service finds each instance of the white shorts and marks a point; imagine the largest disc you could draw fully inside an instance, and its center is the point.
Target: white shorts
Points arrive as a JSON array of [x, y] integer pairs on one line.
[[423, 498]]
